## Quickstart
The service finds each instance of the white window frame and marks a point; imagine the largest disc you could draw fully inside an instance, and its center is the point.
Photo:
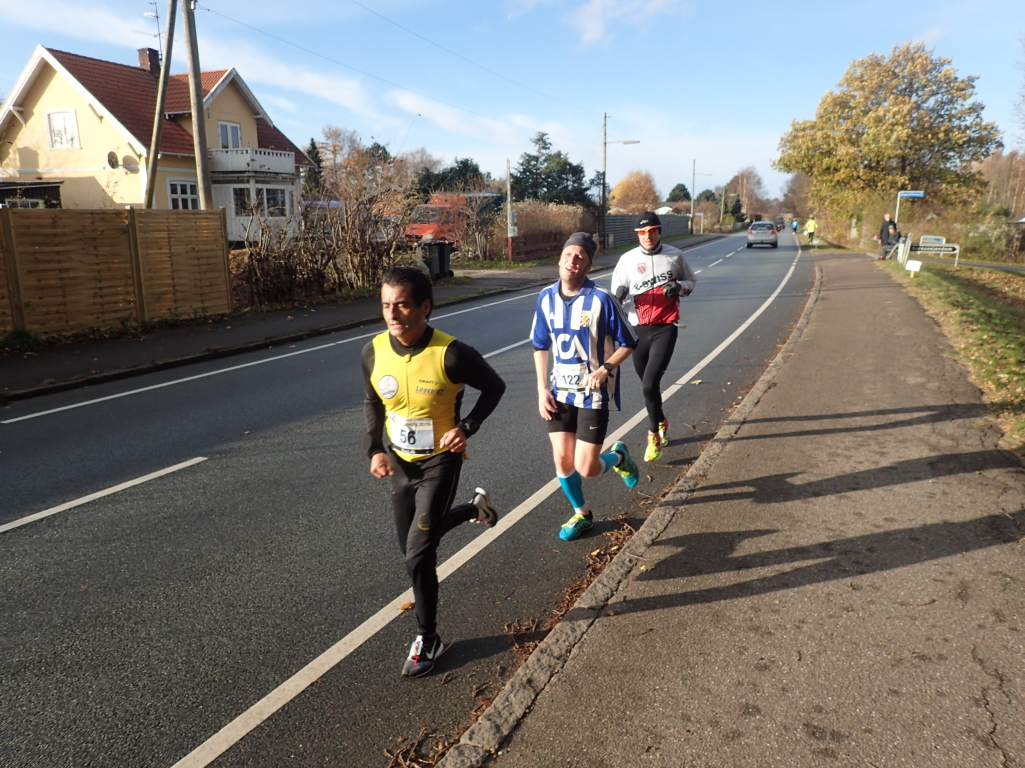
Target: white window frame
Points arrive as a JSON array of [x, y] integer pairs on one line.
[[190, 196], [70, 120], [224, 132], [261, 198]]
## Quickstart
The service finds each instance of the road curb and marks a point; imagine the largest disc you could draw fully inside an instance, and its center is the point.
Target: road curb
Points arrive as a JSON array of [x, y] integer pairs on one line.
[[485, 737]]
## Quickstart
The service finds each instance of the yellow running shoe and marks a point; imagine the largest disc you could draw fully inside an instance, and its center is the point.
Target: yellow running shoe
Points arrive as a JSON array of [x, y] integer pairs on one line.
[[654, 449]]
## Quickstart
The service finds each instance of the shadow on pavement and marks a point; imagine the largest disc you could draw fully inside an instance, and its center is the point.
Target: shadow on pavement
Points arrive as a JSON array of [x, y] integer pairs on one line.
[[778, 489], [709, 553]]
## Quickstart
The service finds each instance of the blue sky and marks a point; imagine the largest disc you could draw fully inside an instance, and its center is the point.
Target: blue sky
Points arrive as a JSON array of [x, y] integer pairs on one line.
[[718, 83]]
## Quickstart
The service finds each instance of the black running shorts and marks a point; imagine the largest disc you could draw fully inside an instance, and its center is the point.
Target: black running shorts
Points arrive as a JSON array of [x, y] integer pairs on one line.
[[589, 424]]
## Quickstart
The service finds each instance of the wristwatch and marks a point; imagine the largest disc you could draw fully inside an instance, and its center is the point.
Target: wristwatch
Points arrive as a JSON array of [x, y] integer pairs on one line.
[[608, 367], [469, 426]]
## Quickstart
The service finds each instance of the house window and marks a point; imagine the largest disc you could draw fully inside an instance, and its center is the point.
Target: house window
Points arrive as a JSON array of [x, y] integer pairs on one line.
[[243, 203], [63, 130], [231, 135], [184, 195], [275, 202]]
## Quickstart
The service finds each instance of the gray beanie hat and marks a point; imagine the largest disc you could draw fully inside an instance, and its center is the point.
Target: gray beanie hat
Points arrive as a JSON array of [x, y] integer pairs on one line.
[[585, 241]]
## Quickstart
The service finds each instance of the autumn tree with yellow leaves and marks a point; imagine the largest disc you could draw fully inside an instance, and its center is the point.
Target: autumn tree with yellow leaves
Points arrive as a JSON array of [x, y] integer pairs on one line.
[[636, 193], [903, 121]]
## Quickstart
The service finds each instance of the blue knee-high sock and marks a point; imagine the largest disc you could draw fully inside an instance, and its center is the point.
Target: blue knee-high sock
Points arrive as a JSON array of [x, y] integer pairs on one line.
[[609, 460], [573, 487]]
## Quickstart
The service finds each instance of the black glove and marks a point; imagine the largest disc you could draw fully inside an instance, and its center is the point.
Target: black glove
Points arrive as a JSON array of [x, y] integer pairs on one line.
[[672, 290], [621, 292]]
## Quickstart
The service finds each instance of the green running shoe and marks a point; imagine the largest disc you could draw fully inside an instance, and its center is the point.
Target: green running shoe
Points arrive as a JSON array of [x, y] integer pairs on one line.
[[654, 450], [663, 430], [575, 526], [626, 468]]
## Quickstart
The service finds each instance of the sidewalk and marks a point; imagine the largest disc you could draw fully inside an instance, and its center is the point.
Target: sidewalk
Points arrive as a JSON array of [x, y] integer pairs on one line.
[[68, 366], [839, 580]]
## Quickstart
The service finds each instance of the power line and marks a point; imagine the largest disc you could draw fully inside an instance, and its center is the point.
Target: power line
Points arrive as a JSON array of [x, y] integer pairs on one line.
[[470, 61], [343, 64]]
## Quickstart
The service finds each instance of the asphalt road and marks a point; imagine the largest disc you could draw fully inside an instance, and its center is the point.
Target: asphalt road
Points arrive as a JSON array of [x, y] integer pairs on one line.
[[234, 611]]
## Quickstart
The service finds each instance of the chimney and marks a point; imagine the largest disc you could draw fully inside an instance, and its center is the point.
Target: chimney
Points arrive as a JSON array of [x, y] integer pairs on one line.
[[150, 61]]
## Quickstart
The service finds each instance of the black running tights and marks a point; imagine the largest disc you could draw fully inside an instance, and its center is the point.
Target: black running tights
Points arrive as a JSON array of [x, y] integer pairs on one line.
[[655, 345], [422, 493]]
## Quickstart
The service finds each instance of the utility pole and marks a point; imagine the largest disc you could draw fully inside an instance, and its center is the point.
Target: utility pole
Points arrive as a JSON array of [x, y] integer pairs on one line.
[[158, 115], [693, 175], [206, 202], [604, 186], [508, 210], [601, 223]]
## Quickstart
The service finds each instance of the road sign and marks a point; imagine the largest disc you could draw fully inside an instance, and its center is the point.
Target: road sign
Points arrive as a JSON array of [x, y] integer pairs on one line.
[[935, 248], [911, 193], [932, 240]]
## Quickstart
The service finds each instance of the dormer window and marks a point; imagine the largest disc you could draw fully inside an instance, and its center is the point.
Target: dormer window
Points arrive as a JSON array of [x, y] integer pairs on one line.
[[63, 130], [231, 135]]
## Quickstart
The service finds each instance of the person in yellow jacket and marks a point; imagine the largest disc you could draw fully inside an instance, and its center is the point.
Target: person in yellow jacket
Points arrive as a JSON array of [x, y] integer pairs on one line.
[[810, 228], [414, 377]]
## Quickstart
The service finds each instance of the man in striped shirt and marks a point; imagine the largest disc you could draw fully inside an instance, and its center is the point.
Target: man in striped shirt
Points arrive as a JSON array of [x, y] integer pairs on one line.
[[582, 330]]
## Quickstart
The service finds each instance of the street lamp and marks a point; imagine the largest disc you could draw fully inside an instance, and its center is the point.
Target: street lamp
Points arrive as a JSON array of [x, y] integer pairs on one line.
[[693, 193], [604, 204]]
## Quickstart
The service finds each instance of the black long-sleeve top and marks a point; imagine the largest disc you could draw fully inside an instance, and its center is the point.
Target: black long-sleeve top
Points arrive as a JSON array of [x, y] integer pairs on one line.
[[463, 365]]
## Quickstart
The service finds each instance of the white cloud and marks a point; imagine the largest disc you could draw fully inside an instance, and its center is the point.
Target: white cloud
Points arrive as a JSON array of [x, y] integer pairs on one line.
[[454, 120], [256, 67], [595, 17], [80, 21], [931, 36]]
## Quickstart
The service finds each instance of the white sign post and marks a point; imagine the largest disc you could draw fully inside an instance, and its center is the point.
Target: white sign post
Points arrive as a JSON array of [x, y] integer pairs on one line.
[[912, 266]]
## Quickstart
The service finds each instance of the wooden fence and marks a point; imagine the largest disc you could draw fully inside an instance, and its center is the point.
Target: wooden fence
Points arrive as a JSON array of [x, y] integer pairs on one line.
[[63, 271]]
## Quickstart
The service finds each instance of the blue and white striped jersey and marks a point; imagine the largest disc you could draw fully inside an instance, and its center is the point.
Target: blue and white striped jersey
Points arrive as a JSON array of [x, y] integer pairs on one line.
[[581, 334]]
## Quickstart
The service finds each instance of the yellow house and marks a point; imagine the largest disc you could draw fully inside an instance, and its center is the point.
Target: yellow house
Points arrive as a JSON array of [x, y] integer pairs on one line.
[[75, 133]]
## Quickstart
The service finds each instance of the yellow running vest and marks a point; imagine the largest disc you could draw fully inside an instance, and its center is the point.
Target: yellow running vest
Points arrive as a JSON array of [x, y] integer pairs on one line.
[[419, 398]]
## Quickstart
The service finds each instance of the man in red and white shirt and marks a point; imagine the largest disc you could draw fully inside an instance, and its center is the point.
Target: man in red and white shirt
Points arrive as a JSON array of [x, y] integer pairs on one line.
[[650, 280]]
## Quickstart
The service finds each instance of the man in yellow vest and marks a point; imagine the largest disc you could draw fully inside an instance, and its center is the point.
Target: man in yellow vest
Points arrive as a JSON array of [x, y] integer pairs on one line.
[[810, 228], [414, 376]]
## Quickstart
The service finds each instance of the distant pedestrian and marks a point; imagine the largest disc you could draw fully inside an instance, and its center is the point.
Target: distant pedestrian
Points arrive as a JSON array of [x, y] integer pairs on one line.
[[889, 241], [581, 330], [793, 225], [413, 378], [650, 279], [884, 228], [810, 228]]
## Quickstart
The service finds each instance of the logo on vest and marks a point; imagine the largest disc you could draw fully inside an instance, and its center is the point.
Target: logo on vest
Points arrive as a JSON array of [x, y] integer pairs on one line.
[[388, 386], [585, 319], [425, 388]]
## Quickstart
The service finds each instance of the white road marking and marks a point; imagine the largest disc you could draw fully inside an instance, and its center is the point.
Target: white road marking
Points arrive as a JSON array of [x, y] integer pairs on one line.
[[99, 495], [238, 367], [236, 730], [714, 263]]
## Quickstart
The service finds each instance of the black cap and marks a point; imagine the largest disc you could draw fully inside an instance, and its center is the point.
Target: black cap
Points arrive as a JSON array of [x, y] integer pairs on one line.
[[648, 219], [585, 241]]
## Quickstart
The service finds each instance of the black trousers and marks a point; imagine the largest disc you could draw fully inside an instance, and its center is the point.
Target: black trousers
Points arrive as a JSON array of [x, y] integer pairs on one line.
[[655, 345], [422, 493]]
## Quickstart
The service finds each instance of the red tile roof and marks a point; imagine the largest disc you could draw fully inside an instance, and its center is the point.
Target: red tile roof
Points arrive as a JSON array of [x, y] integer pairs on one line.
[[129, 93], [269, 137], [178, 100]]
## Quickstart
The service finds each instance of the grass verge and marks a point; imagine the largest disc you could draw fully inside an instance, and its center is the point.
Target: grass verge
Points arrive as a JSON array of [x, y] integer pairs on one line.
[[982, 313]]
